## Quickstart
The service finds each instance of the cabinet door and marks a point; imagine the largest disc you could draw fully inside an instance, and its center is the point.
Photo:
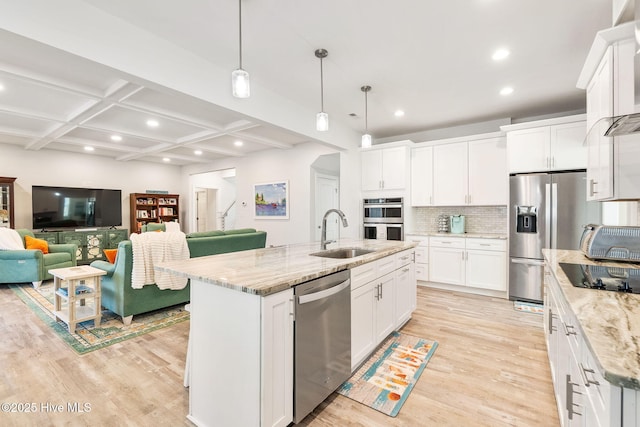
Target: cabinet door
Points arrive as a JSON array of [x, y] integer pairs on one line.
[[422, 176], [446, 265], [405, 293], [528, 149], [600, 148], [371, 170], [277, 362], [567, 146], [488, 173], [363, 304], [487, 270], [385, 305], [450, 174], [394, 166]]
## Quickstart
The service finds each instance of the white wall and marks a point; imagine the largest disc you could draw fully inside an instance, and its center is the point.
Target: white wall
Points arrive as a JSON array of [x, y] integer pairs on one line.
[[293, 165], [57, 168]]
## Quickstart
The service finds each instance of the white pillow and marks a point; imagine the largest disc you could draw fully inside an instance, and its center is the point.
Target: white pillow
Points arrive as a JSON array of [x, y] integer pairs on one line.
[[10, 239]]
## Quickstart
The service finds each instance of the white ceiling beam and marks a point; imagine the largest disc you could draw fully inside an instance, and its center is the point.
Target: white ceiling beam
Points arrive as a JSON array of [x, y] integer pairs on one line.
[[262, 140]]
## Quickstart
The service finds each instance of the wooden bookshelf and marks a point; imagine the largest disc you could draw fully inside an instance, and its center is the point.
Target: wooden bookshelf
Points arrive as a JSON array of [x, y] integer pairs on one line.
[[146, 207]]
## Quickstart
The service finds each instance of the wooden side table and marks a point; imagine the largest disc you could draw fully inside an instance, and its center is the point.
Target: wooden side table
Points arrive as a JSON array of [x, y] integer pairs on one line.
[[82, 283]]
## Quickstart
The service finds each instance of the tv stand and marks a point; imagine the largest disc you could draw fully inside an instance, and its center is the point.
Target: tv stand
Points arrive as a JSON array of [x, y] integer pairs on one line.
[[91, 242]]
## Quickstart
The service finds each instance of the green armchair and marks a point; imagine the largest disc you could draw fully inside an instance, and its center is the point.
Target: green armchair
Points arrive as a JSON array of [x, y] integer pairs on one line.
[[31, 265]]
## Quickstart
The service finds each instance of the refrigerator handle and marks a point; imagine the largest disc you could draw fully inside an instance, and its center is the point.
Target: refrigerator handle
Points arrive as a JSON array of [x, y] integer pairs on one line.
[[547, 216], [554, 215]]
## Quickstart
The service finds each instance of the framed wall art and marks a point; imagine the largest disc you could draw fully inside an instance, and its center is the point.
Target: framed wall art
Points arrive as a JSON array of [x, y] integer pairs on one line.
[[272, 200]]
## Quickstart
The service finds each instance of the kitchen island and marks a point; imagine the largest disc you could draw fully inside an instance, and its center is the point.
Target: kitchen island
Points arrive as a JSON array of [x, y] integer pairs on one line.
[[593, 339], [241, 336]]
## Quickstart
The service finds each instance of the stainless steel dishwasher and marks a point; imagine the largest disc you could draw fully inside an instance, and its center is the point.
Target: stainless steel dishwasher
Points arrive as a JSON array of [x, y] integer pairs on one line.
[[322, 346]]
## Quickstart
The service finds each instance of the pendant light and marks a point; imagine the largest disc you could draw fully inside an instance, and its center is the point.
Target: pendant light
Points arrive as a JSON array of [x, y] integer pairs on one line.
[[322, 118], [239, 77], [366, 138]]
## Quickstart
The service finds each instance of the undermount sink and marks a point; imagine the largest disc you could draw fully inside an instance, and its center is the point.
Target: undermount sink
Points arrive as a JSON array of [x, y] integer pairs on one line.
[[343, 253]]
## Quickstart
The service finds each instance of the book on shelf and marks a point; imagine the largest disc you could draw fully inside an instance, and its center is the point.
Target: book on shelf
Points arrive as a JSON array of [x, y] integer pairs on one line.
[[80, 290]]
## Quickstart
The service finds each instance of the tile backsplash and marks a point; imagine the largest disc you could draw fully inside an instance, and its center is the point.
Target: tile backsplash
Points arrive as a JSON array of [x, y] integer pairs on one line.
[[478, 219]]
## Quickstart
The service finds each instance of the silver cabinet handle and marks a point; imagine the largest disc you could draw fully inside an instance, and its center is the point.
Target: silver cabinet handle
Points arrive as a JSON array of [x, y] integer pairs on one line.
[[586, 380], [569, 329], [380, 290], [569, 398], [592, 187], [552, 328]]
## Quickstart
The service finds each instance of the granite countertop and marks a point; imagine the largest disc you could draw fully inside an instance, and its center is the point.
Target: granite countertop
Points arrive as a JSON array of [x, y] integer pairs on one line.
[[610, 321], [270, 270], [470, 235]]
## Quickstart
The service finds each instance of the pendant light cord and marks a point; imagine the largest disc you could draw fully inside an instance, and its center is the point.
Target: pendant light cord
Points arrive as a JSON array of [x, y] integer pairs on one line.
[[366, 113], [321, 87], [240, 31]]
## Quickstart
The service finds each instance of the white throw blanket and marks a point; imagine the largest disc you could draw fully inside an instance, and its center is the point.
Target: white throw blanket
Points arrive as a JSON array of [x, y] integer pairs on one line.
[[153, 248], [10, 239], [171, 227]]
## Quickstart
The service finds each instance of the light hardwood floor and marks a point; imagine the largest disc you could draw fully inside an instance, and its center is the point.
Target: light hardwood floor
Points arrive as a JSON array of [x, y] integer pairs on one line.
[[490, 369]]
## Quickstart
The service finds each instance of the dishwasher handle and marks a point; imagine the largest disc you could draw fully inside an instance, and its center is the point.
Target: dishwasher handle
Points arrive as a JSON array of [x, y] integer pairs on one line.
[[303, 299]]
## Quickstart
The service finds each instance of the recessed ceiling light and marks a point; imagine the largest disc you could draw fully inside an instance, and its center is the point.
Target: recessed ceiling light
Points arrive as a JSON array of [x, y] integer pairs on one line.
[[116, 138], [166, 159], [238, 143], [506, 91], [398, 113], [152, 123], [1, 87], [87, 148], [500, 54], [197, 152]]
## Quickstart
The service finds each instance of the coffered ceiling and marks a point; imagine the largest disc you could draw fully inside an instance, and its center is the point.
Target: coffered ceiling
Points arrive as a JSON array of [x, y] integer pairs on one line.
[[430, 59]]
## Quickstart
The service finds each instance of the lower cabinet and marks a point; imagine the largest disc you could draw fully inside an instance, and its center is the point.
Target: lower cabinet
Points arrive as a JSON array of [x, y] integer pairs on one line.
[[474, 262], [381, 301], [583, 396]]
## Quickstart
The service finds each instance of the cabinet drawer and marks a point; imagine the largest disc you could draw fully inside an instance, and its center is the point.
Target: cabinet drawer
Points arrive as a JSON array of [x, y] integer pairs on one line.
[[422, 272], [386, 265], [421, 240], [447, 242], [422, 255], [487, 244], [363, 274], [404, 258]]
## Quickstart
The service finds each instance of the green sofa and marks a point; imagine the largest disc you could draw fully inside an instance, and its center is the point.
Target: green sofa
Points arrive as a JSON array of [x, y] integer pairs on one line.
[[31, 265], [118, 295]]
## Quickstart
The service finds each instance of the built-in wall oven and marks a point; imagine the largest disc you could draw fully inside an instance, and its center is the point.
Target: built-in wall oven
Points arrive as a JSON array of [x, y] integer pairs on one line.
[[384, 218]]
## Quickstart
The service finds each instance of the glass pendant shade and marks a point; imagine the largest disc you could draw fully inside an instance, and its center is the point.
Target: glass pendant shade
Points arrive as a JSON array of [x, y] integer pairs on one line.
[[366, 141], [240, 83], [322, 121]]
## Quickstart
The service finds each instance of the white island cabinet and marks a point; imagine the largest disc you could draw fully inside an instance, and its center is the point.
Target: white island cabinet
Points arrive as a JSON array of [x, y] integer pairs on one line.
[[241, 344]]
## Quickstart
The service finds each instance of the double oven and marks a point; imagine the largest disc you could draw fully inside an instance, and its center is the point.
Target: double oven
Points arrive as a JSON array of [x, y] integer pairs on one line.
[[384, 218]]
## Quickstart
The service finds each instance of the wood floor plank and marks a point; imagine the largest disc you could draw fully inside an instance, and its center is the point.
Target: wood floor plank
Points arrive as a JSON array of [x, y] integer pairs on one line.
[[490, 369]]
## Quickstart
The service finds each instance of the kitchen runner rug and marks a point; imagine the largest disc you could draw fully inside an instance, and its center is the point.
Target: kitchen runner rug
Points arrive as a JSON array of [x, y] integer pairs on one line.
[[528, 307], [87, 337], [385, 380]]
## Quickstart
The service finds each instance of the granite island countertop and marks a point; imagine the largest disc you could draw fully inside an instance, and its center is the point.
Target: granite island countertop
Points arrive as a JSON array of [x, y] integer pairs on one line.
[[610, 321], [274, 269]]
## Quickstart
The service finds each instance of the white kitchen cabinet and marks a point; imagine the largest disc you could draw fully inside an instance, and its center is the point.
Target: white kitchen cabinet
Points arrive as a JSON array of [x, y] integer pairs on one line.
[[488, 172], [384, 168], [450, 174], [486, 262], [472, 262], [405, 285], [547, 147], [608, 77], [446, 260], [421, 256], [422, 176], [363, 328]]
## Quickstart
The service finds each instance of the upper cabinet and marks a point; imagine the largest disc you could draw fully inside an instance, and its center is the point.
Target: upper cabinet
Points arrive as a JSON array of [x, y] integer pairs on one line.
[[547, 145], [613, 168], [384, 168], [459, 173]]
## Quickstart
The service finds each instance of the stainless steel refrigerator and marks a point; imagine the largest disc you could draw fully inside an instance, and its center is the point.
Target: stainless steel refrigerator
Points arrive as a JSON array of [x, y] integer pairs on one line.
[[548, 210]]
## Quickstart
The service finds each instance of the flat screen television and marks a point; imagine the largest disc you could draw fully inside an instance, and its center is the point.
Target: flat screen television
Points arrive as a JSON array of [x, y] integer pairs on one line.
[[67, 207]]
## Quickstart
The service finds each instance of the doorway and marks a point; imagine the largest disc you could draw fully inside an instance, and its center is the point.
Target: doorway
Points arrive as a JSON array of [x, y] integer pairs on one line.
[[326, 195]]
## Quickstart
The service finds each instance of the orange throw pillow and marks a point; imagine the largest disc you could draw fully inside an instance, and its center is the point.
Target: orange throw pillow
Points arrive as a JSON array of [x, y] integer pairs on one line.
[[33, 243], [111, 255]]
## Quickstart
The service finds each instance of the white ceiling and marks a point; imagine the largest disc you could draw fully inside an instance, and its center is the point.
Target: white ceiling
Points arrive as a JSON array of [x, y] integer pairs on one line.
[[431, 59]]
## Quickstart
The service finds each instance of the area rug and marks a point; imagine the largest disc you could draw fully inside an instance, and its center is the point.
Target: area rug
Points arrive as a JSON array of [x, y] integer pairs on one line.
[[88, 338], [528, 307], [385, 380]]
